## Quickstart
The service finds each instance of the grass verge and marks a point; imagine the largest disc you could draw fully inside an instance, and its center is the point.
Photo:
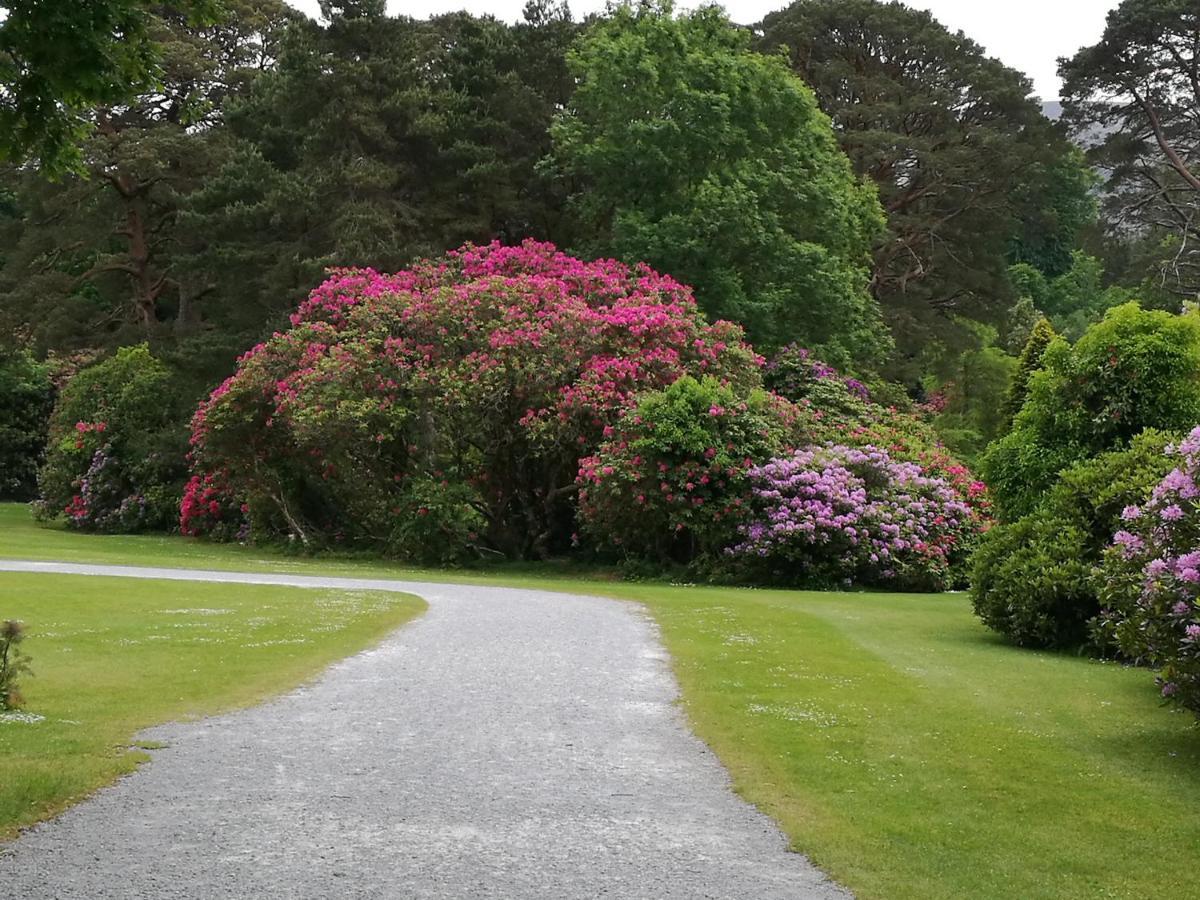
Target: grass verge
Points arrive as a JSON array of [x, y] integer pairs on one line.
[[909, 752], [112, 656]]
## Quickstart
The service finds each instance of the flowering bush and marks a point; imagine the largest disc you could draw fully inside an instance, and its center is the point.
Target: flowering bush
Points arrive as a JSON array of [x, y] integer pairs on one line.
[[210, 508], [115, 456], [670, 481], [795, 373], [847, 515], [1150, 580], [494, 368], [836, 409]]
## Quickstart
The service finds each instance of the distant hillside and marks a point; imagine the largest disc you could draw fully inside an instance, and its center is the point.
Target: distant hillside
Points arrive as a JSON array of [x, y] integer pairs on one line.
[[1052, 109]]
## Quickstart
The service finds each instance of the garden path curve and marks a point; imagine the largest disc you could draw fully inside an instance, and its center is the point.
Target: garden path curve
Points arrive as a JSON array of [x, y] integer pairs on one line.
[[508, 744]]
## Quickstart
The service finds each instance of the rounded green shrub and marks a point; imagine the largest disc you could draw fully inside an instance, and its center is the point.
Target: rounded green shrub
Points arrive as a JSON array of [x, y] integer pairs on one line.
[[116, 457], [1030, 581], [1135, 369], [1032, 578], [670, 482]]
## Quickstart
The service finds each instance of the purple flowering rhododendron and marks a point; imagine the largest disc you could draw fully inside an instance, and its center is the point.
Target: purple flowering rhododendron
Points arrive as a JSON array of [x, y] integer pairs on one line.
[[1150, 580], [839, 514]]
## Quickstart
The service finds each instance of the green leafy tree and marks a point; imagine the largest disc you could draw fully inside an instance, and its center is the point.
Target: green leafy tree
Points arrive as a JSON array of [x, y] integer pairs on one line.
[[1019, 325], [1030, 361], [99, 259], [377, 139], [968, 169], [973, 391], [687, 150], [1133, 370], [59, 60], [26, 394], [1133, 98]]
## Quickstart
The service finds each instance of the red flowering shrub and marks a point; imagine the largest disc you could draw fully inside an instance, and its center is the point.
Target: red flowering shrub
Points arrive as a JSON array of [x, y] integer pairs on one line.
[[670, 481], [210, 508], [492, 370]]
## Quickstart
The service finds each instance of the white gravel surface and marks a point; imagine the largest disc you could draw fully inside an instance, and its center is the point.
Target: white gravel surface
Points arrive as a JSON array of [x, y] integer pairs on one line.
[[508, 744]]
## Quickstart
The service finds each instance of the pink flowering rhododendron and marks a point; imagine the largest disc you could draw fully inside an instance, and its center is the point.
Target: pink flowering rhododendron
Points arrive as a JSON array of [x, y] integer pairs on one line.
[[1149, 581], [493, 368]]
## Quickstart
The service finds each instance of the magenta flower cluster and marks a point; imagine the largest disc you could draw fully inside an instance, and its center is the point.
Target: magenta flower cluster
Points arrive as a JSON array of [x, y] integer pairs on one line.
[[840, 514], [1151, 579]]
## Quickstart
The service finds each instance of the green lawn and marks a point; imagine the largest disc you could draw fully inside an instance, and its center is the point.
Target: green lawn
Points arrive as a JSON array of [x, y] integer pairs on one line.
[[909, 752], [112, 656]]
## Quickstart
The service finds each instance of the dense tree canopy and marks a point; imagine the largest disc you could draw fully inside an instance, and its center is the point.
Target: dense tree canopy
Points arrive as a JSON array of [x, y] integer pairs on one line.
[[969, 171], [712, 163], [101, 258], [1134, 99], [61, 59]]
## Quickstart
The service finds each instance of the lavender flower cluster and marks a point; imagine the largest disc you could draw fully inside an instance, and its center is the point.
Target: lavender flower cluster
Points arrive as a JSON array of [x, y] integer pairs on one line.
[[840, 514], [1151, 580]]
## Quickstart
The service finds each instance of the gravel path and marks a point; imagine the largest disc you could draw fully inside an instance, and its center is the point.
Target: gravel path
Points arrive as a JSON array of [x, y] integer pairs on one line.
[[509, 744]]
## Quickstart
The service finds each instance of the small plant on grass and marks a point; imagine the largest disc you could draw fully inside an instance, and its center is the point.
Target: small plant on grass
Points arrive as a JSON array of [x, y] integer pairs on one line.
[[13, 663]]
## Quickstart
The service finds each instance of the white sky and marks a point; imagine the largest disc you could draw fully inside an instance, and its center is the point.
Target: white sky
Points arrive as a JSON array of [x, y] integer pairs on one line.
[[1028, 35]]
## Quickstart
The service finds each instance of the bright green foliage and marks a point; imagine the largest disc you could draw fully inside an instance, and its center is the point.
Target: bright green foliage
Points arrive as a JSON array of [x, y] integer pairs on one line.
[[26, 395], [1040, 337], [60, 59], [1072, 300], [967, 167], [115, 460], [1032, 579], [1135, 369], [671, 481], [712, 163]]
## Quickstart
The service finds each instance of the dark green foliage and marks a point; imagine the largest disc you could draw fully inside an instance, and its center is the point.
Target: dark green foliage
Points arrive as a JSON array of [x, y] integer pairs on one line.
[[436, 522], [712, 163], [1040, 337], [13, 664], [1032, 579], [105, 257], [59, 59], [1133, 98], [117, 446], [26, 395], [1135, 369], [375, 140], [967, 167]]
